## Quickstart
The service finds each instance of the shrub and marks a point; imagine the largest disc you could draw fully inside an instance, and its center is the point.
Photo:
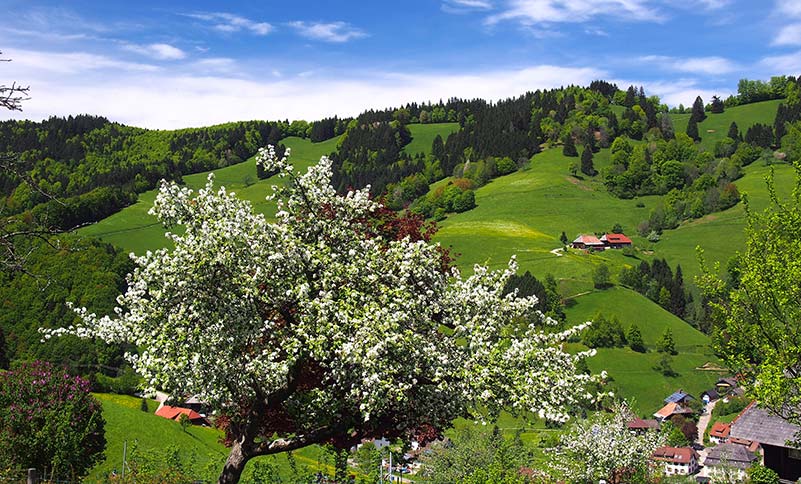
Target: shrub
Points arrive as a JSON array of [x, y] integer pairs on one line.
[[49, 420]]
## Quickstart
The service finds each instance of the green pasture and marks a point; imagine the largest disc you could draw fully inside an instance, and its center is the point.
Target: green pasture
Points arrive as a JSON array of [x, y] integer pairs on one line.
[[136, 231], [199, 447], [423, 136], [715, 127]]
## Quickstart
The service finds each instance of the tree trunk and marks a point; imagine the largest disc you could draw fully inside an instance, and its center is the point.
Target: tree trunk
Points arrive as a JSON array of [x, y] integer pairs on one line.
[[234, 465]]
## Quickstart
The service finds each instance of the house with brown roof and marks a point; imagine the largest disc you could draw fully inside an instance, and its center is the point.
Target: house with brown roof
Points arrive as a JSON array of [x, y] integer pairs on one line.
[[719, 433], [775, 435], [639, 425], [677, 460], [671, 409], [588, 242]]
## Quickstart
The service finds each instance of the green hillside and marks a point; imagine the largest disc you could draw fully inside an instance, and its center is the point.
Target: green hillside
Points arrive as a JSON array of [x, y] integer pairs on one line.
[[136, 231], [632, 372], [715, 126], [199, 447], [423, 136]]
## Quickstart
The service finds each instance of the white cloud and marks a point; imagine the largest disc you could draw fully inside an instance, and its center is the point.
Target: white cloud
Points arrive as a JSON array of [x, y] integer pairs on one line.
[[679, 91], [788, 35], [564, 11], [465, 6], [788, 8], [156, 51], [29, 63], [780, 64], [229, 23], [695, 65], [327, 31], [189, 95]]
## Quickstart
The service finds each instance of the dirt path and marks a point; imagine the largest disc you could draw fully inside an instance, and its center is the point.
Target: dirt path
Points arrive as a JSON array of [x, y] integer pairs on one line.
[[703, 423], [557, 252]]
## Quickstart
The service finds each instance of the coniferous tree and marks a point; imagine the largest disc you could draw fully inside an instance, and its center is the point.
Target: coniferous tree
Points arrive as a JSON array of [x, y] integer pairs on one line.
[[569, 148], [698, 110], [4, 356], [716, 106], [586, 162], [734, 132], [666, 344], [563, 238], [634, 338], [692, 129]]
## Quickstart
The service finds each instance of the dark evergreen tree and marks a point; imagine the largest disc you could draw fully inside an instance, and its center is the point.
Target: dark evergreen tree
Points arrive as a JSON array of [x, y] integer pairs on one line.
[[635, 340], [438, 148], [586, 162], [698, 110], [734, 132], [3, 355], [569, 148], [759, 135], [666, 344], [692, 129], [716, 106], [563, 238]]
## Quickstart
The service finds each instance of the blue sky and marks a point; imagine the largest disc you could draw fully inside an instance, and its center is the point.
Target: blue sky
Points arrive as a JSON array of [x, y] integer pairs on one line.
[[179, 64]]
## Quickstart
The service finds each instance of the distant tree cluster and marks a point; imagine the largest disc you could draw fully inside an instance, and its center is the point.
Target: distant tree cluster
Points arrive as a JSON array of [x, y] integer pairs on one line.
[[604, 333], [659, 283], [327, 128], [549, 301]]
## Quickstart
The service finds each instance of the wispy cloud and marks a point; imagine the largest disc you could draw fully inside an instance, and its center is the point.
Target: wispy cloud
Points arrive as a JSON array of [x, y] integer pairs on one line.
[[229, 23], [327, 31], [791, 8], [679, 91], [781, 64], [574, 11], [156, 51], [695, 65], [788, 35], [32, 63], [465, 6]]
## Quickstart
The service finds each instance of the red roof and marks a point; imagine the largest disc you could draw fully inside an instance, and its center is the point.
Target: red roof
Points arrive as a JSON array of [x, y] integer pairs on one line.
[[720, 430], [678, 455], [173, 413], [640, 424], [617, 239], [587, 240]]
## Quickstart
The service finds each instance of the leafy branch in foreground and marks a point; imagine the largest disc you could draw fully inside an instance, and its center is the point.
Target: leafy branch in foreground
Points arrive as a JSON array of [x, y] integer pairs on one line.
[[321, 328]]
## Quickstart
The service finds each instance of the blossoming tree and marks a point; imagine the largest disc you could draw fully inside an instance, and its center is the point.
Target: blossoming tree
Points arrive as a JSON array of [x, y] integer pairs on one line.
[[317, 328]]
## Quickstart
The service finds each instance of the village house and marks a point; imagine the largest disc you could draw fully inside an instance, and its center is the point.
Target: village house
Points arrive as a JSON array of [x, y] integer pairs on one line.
[[641, 426], [672, 409], [588, 242], [719, 433], [709, 396], [775, 435], [677, 460], [615, 241], [174, 413], [679, 397], [729, 461]]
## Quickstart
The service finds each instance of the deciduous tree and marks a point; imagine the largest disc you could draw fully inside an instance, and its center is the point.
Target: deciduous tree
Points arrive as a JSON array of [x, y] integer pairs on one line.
[[317, 328]]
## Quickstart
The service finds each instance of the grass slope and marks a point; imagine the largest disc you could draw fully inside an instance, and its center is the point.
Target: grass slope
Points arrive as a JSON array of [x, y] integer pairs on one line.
[[715, 126], [136, 231], [633, 376], [423, 136], [199, 447]]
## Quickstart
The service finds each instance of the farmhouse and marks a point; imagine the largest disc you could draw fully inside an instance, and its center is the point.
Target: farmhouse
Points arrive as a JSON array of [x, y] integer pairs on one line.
[[639, 425], [729, 460], [719, 433], [670, 410], [679, 397], [174, 413], [677, 460], [615, 241], [590, 242], [774, 434]]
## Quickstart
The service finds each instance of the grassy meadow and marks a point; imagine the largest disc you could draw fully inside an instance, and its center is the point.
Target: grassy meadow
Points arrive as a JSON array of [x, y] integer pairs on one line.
[[423, 136], [715, 127]]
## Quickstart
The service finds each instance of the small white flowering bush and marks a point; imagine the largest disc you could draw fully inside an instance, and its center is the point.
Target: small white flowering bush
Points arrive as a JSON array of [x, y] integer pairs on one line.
[[315, 328]]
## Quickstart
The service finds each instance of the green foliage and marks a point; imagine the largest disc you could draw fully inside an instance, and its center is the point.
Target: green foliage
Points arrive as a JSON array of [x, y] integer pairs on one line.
[[692, 129], [759, 474], [666, 343], [601, 277], [751, 91], [49, 420], [757, 318], [634, 338], [675, 436], [127, 382], [665, 367], [143, 406], [587, 166], [476, 455], [604, 333], [505, 165]]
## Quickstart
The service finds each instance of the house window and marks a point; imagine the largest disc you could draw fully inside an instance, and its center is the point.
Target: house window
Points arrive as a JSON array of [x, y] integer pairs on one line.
[[794, 454]]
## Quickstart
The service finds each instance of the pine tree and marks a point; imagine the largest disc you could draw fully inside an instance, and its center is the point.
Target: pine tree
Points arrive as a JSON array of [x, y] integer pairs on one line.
[[716, 105], [692, 129], [666, 344], [698, 110], [569, 148], [586, 162], [563, 238], [734, 132], [634, 338], [3, 355]]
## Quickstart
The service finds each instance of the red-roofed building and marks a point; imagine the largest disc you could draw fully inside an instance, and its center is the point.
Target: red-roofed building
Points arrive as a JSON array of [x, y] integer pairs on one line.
[[677, 460], [585, 241], [174, 413], [641, 426], [719, 432], [616, 241], [670, 410]]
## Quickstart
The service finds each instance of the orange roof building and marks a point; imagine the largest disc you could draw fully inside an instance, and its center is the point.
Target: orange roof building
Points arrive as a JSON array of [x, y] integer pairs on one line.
[[174, 413]]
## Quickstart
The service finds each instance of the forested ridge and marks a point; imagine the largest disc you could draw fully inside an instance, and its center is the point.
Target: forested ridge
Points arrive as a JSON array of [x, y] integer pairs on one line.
[[93, 167]]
